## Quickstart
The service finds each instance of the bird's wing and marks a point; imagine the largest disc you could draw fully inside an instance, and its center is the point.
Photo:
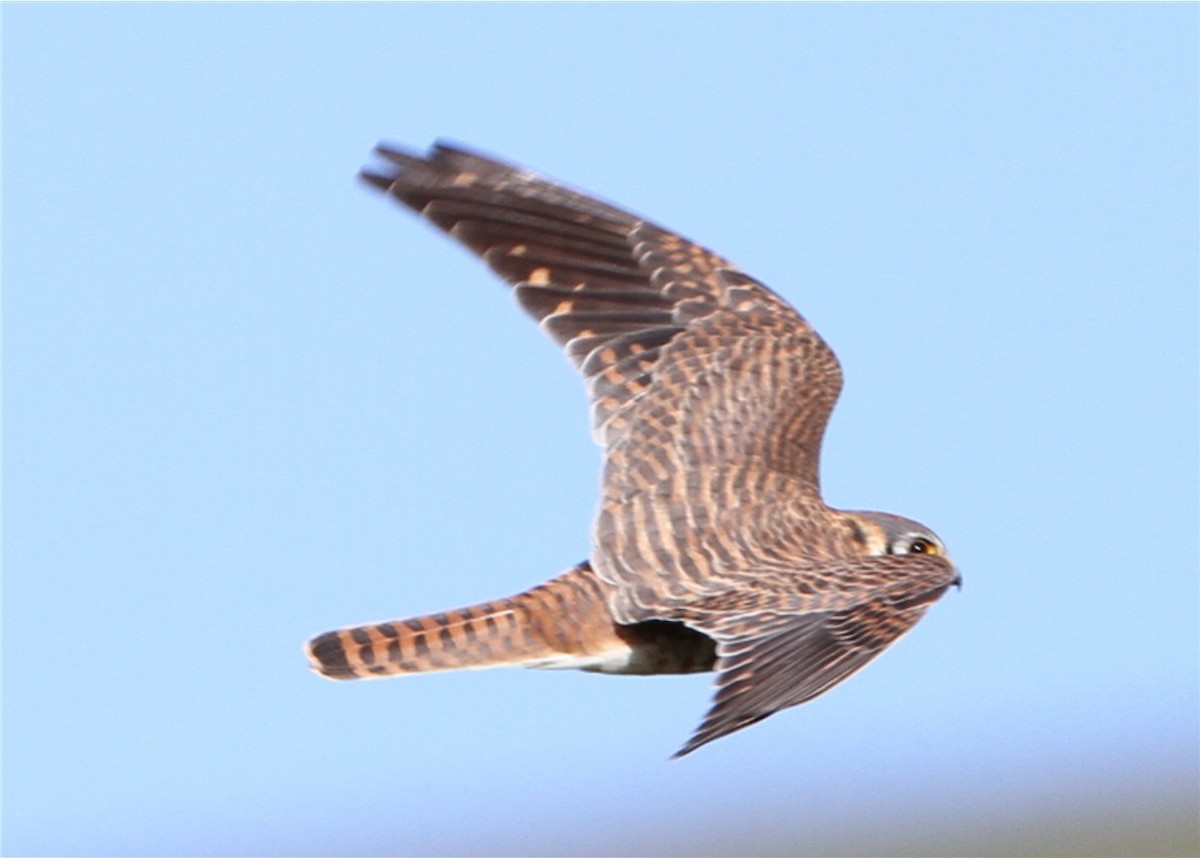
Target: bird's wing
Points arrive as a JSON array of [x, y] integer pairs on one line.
[[779, 649], [706, 388], [643, 313]]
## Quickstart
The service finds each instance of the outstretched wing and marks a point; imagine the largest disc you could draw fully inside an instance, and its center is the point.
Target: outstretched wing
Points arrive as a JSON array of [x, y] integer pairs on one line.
[[614, 290], [771, 656], [703, 383]]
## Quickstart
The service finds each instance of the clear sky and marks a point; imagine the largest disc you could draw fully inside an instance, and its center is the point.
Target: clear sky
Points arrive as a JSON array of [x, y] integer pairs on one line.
[[246, 400]]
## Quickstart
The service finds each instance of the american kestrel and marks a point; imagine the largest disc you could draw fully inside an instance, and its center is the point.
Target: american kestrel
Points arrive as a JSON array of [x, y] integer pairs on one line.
[[712, 548]]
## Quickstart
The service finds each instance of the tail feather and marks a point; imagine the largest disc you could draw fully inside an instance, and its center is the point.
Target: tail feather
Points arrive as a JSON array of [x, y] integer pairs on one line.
[[523, 630]]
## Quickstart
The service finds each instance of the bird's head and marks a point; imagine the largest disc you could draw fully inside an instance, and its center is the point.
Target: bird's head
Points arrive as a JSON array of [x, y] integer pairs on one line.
[[883, 533]]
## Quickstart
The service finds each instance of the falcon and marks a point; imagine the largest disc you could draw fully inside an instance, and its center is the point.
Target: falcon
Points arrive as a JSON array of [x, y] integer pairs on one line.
[[711, 548]]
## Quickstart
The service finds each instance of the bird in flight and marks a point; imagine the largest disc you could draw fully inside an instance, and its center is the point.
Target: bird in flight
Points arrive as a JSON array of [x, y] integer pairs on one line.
[[709, 394]]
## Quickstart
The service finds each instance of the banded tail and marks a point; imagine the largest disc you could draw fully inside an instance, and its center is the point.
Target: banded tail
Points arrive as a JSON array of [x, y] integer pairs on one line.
[[564, 623]]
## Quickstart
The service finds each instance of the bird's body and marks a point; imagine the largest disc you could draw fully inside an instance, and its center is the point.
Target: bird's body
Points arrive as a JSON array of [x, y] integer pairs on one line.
[[712, 548]]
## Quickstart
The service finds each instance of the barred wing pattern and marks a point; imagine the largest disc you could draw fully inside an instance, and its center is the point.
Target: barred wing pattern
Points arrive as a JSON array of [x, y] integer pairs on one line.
[[715, 483], [692, 367], [612, 289]]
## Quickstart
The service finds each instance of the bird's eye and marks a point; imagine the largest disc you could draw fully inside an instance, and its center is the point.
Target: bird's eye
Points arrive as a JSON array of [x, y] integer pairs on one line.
[[921, 545]]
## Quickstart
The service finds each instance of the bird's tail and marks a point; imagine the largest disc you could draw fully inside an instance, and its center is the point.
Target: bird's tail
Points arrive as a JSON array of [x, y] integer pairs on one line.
[[562, 623]]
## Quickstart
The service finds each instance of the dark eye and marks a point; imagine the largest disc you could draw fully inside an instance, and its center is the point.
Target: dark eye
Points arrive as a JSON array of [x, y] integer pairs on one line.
[[921, 545]]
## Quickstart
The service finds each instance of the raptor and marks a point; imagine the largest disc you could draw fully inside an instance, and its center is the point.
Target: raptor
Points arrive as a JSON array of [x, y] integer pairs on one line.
[[711, 548]]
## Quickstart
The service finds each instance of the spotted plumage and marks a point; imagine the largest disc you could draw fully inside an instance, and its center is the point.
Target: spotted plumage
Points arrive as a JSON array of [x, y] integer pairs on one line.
[[712, 548]]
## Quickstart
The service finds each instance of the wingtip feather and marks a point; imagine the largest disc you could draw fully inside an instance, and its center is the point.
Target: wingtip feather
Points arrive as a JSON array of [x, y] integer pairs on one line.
[[376, 180]]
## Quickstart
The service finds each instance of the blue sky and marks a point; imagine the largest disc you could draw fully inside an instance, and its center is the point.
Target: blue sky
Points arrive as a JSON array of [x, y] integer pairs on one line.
[[246, 401]]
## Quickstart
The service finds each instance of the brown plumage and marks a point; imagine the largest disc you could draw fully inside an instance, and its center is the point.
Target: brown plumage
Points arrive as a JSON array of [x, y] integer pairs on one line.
[[525, 630], [710, 396]]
